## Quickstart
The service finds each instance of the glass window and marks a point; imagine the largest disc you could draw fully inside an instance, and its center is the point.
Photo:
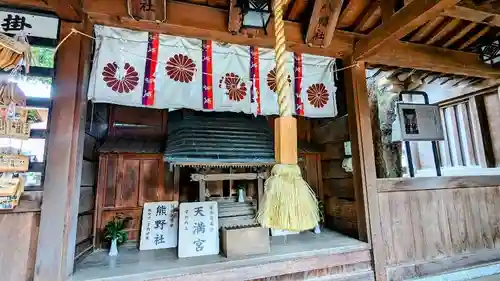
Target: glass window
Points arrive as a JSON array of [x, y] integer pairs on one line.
[[31, 147], [33, 86]]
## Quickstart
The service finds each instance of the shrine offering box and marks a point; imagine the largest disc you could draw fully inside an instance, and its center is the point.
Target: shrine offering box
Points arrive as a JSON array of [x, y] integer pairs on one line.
[[245, 240]]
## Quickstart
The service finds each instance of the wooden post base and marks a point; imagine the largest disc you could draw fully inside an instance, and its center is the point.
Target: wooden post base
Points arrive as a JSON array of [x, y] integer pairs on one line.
[[285, 140]]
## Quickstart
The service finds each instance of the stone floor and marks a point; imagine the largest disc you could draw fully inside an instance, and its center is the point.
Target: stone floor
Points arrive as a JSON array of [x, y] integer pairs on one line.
[[130, 262]]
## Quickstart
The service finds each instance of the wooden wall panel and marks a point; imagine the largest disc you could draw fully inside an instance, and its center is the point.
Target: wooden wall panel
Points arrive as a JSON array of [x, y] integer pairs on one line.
[[109, 172], [148, 182], [127, 191], [422, 228], [18, 242], [154, 122], [126, 182], [87, 199], [492, 105], [84, 228], [89, 171], [338, 188]]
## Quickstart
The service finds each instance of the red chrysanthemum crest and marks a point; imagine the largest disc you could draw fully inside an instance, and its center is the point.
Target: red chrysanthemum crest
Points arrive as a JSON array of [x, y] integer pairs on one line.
[[271, 80], [181, 68], [121, 83], [317, 94], [235, 86]]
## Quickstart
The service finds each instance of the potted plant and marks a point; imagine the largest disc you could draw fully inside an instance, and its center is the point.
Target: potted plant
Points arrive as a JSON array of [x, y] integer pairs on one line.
[[114, 231], [321, 209]]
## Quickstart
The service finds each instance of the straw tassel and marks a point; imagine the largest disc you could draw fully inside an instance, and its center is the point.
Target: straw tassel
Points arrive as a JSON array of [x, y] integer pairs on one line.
[[288, 202]]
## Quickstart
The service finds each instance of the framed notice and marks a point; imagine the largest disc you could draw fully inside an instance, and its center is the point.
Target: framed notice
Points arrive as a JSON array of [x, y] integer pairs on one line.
[[198, 229], [417, 122], [13, 21], [160, 224]]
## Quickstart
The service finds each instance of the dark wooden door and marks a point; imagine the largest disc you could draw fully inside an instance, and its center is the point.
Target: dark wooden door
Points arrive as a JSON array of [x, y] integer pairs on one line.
[[126, 182]]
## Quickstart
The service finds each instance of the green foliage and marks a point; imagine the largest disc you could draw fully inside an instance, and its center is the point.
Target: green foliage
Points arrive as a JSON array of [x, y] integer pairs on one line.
[[115, 229], [42, 57]]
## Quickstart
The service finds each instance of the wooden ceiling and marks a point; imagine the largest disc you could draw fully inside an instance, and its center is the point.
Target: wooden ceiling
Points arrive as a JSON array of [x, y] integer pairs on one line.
[[433, 36], [458, 27]]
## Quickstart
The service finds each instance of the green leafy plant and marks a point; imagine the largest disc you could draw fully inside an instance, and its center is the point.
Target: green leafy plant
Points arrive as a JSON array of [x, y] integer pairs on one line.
[[321, 208], [115, 229]]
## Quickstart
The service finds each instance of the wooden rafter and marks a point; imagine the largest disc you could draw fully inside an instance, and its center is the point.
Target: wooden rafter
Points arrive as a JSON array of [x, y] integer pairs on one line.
[[203, 22], [407, 19], [323, 22], [426, 30], [460, 34], [470, 14], [474, 38], [371, 13], [450, 26], [422, 57], [69, 10]]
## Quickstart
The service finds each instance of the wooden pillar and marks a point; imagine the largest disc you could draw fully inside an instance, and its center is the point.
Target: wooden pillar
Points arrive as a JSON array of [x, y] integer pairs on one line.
[[56, 243], [201, 191], [363, 162]]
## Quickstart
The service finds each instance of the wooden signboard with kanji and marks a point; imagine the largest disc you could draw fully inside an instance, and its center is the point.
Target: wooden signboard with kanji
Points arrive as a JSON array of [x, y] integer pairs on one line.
[[148, 10]]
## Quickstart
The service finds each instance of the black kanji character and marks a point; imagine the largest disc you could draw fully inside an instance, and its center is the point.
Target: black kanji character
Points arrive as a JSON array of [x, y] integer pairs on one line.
[[161, 210], [159, 239], [198, 211], [198, 227], [199, 244], [14, 23], [160, 224], [147, 6]]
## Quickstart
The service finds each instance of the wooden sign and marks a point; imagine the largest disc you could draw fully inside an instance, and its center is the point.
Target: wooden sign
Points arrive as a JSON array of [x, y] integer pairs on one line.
[[148, 10], [160, 224], [198, 229], [28, 23]]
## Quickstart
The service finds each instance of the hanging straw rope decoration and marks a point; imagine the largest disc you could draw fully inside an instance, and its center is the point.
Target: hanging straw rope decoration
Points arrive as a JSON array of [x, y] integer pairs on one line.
[[288, 202]]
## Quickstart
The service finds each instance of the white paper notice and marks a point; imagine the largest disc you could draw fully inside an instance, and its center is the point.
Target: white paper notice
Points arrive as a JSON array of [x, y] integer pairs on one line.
[[199, 229], [160, 225]]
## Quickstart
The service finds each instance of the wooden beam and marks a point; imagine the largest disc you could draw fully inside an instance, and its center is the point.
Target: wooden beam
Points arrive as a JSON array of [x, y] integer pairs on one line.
[[59, 212], [436, 59], [323, 22], [297, 9], [407, 19], [388, 9], [363, 162], [469, 14], [69, 10], [203, 22], [235, 18]]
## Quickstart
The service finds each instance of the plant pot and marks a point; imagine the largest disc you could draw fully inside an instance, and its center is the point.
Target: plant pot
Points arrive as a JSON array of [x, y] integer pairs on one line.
[[317, 229], [113, 250]]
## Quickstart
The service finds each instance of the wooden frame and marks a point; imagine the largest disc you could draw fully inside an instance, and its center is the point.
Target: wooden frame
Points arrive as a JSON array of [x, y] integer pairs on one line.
[[202, 178]]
